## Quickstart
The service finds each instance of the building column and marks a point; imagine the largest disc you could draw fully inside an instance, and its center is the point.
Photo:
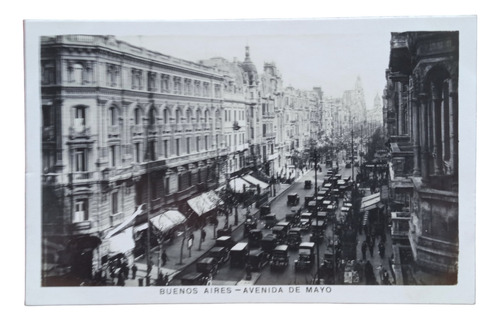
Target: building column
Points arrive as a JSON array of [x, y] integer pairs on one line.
[[436, 133], [424, 138], [453, 139], [416, 135]]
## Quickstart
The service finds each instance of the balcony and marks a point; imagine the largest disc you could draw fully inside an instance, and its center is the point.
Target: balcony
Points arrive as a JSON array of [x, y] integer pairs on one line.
[[167, 129], [181, 195], [113, 131], [81, 176], [188, 127], [137, 130], [82, 226], [79, 132], [153, 165]]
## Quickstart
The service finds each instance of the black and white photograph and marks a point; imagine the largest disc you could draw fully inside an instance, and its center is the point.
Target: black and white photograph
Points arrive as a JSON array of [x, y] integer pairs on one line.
[[320, 160]]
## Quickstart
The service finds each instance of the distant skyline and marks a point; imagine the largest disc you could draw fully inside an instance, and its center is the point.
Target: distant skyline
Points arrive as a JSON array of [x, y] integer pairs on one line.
[[332, 61]]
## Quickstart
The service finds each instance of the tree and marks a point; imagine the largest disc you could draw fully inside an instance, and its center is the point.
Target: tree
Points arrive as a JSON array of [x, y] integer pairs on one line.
[[376, 142]]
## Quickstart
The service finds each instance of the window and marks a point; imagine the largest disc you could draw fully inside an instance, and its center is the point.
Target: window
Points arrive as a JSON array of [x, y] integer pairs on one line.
[[177, 116], [80, 160], [47, 116], [113, 117], [167, 185], [48, 73], [165, 148], [225, 115], [152, 150], [177, 147], [81, 213], [137, 116], [114, 203], [137, 152], [197, 144], [206, 116], [79, 121], [206, 142], [75, 74], [152, 116], [112, 155], [166, 115], [188, 145]]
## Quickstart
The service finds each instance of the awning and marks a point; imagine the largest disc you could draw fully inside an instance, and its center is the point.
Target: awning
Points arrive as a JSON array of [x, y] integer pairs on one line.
[[168, 220], [370, 202], [122, 242], [205, 202], [239, 185], [254, 181], [129, 221]]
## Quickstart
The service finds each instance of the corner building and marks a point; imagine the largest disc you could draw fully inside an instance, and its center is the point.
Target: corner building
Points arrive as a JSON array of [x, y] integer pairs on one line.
[[421, 122], [122, 126]]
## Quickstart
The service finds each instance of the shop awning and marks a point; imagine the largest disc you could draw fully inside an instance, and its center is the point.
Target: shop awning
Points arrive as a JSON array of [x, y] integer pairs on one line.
[[122, 242], [205, 202], [129, 221], [254, 181], [239, 185], [168, 220], [370, 202]]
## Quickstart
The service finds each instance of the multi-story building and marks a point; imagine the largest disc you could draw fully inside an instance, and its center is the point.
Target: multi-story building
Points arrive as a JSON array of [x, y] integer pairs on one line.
[[122, 126], [421, 120]]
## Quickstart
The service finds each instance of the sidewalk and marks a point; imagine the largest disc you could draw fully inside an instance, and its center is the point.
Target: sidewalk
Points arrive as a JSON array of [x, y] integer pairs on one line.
[[177, 262]]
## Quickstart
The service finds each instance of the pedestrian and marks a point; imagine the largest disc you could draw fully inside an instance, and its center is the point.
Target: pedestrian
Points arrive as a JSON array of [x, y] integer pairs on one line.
[[371, 244], [163, 258], [125, 270], [203, 235], [385, 277], [363, 249], [159, 280], [381, 249], [134, 271], [121, 279]]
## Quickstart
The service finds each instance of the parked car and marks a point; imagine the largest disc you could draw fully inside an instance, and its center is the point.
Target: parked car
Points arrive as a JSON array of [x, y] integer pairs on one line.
[[317, 231], [239, 254], [306, 256], [279, 257], [258, 259], [250, 224], [307, 184], [221, 254], [287, 225], [264, 210]]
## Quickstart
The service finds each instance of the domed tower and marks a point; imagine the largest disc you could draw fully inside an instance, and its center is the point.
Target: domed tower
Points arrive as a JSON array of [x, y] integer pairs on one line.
[[249, 68]]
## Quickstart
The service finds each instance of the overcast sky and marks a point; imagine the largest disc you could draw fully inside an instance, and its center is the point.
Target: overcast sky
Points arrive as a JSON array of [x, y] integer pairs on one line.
[[307, 55]]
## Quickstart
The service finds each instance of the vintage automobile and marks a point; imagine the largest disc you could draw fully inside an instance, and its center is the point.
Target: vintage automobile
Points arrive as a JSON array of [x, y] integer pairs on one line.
[[322, 216], [305, 221], [312, 206], [220, 251], [239, 254], [327, 265], [306, 256], [270, 220], [280, 231], [268, 243], [250, 224], [287, 225], [293, 219], [294, 238], [224, 232], [279, 257], [330, 212], [317, 231], [208, 266], [195, 278], [254, 237], [307, 184], [296, 209], [221, 254], [308, 198], [258, 259], [293, 199], [264, 210]]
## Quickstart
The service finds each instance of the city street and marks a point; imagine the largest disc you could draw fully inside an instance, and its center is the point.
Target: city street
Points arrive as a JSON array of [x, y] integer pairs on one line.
[[227, 275]]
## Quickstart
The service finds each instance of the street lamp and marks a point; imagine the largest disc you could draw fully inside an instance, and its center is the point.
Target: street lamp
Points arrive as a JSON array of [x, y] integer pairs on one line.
[[315, 214]]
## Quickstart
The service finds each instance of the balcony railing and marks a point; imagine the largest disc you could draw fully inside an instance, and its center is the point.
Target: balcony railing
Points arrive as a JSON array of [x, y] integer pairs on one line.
[[137, 129], [79, 132], [114, 130], [81, 226]]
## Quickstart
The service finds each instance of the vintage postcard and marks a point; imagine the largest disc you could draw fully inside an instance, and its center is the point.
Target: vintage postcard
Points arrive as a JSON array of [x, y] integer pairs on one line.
[[315, 160]]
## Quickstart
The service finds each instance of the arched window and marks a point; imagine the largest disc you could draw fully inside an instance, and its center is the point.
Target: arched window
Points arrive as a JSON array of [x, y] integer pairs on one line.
[[198, 116], [206, 116], [137, 116], [152, 116], [189, 114], [166, 115], [177, 116]]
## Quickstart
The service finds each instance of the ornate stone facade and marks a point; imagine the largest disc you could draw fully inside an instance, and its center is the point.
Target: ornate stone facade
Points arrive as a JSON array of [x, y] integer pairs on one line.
[[421, 122]]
